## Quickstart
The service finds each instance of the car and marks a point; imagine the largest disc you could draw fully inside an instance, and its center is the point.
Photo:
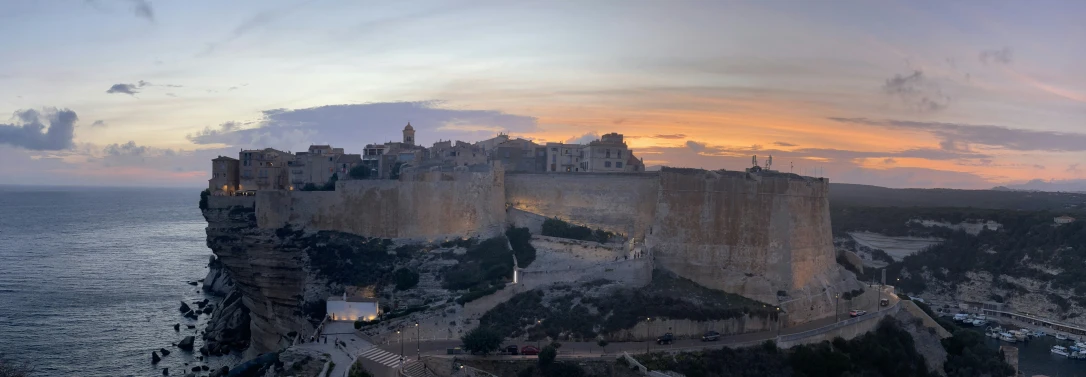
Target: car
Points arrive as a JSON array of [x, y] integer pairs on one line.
[[529, 350], [860, 312], [511, 350], [884, 302], [853, 313], [710, 336], [666, 339]]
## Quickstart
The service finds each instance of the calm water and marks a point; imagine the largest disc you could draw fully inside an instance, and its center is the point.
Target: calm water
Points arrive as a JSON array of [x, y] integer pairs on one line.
[[91, 278], [1034, 358]]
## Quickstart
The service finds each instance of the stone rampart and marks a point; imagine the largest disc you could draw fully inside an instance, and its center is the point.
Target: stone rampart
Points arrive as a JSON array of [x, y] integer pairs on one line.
[[616, 202], [428, 206], [758, 235]]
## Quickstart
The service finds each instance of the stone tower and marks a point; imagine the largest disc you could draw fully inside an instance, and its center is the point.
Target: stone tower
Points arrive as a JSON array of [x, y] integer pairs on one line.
[[409, 134]]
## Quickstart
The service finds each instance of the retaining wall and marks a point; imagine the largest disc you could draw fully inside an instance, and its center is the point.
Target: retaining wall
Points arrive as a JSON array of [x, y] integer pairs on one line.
[[616, 202]]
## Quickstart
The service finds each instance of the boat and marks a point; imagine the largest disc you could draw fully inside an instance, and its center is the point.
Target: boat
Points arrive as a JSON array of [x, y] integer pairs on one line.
[[1059, 350], [979, 322], [1038, 333], [1077, 355], [1008, 337], [1061, 337], [992, 334], [960, 317], [1021, 334]]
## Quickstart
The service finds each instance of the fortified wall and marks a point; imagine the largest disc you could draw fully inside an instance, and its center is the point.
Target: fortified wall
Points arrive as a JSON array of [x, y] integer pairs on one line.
[[427, 206], [764, 235]]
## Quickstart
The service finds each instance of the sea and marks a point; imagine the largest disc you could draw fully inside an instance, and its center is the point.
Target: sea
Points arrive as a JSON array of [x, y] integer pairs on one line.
[[91, 279]]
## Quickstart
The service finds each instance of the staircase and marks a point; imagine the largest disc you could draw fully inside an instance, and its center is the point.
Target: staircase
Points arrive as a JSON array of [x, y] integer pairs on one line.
[[416, 369]]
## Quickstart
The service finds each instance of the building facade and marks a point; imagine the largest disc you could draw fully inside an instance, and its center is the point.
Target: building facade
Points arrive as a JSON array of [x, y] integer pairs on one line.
[[263, 169], [609, 154], [343, 308], [224, 176]]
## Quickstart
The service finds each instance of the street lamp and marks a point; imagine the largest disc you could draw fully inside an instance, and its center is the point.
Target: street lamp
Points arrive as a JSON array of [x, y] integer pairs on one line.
[[538, 340], [418, 341], [778, 322], [836, 306], [648, 333], [401, 346]]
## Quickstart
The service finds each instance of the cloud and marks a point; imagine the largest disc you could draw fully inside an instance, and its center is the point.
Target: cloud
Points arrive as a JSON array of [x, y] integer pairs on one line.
[[917, 92], [958, 136], [1002, 56], [889, 161], [695, 146], [584, 139], [30, 131], [99, 123], [127, 149], [1073, 168], [353, 126], [618, 121], [784, 144], [671, 136], [129, 89], [142, 9]]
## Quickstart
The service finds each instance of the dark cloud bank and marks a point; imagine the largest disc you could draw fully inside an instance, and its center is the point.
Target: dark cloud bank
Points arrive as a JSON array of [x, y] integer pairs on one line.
[[31, 132]]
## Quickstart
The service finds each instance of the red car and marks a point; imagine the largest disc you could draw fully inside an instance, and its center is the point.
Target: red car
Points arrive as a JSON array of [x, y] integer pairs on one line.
[[529, 350]]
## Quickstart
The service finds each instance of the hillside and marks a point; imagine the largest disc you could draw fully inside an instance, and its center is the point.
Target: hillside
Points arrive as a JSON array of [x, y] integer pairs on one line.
[[845, 194], [983, 246]]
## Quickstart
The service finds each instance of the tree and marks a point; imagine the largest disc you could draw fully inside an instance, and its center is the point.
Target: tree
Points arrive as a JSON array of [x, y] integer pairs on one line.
[[358, 371], [547, 356], [360, 172], [482, 340], [331, 185], [395, 172], [405, 279], [603, 344]]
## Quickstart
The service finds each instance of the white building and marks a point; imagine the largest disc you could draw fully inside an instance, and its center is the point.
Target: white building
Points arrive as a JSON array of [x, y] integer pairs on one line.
[[352, 308], [1064, 220]]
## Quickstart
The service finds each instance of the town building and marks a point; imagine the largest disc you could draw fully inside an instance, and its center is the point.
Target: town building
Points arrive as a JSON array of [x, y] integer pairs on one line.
[[224, 176], [344, 308], [263, 169], [316, 166], [609, 154], [565, 158], [1064, 220], [519, 155]]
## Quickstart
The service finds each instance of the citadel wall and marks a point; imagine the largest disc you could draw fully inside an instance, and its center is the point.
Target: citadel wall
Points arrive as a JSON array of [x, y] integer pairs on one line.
[[616, 202], [429, 206]]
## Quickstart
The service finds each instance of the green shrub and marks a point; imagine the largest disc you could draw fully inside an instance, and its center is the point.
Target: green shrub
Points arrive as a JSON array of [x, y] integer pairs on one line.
[[477, 294], [360, 172], [405, 279], [486, 264], [482, 340], [357, 370], [555, 227], [520, 239]]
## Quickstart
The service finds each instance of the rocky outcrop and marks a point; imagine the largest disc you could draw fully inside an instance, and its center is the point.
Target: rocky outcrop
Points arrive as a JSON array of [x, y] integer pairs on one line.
[[926, 339], [217, 281], [280, 277]]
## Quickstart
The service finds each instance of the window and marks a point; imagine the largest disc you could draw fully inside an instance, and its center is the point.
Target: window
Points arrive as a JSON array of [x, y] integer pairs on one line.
[[607, 164], [608, 153], [619, 153], [554, 158], [618, 164], [554, 149]]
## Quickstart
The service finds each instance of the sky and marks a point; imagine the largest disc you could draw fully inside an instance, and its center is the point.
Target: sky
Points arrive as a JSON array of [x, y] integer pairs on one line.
[[909, 93]]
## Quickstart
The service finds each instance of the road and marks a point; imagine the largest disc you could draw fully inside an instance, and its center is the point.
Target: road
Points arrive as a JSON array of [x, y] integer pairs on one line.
[[869, 302]]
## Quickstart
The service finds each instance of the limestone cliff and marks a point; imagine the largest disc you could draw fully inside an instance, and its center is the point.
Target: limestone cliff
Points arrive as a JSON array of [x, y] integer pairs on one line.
[[270, 277]]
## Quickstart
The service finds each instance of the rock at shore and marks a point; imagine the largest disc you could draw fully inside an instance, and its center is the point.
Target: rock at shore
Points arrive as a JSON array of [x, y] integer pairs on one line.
[[228, 327], [192, 314], [164, 351], [217, 282], [177, 327], [165, 371], [186, 343], [185, 307], [192, 283], [154, 358]]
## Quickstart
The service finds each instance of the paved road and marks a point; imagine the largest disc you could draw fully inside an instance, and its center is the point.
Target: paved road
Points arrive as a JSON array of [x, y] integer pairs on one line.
[[413, 348], [377, 361]]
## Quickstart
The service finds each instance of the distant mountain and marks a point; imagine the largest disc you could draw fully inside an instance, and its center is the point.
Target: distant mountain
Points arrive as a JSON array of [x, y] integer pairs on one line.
[[1069, 185], [845, 194]]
